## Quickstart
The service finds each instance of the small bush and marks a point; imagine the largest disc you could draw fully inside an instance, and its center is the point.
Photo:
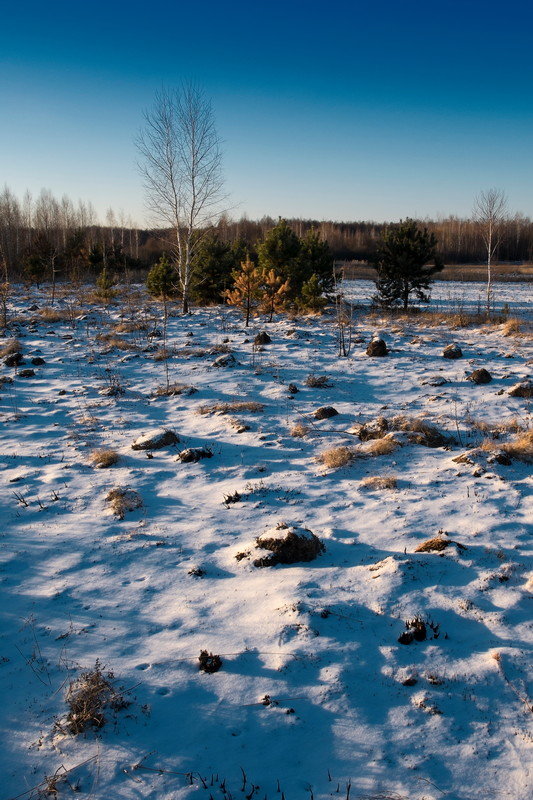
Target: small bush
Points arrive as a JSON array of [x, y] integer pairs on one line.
[[88, 697], [104, 458], [122, 500]]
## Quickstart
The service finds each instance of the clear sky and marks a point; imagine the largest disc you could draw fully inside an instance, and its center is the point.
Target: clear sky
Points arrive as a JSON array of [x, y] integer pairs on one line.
[[340, 110]]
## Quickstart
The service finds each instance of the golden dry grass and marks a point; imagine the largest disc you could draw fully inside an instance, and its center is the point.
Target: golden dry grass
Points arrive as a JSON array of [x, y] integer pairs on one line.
[[163, 354], [116, 341], [122, 500], [520, 448], [104, 458], [512, 425], [229, 408], [300, 430], [423, 432], [380, 447], [13, 346], [379, 482], [336, 457], [174, 389], [55, 314], [512, 327], [130, 327]]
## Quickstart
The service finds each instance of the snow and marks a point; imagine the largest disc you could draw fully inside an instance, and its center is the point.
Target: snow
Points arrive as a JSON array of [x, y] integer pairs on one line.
[[147, 593]]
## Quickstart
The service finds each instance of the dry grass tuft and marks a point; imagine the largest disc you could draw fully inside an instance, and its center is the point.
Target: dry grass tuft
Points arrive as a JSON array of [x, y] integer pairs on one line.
[[336, 457], [437, 545], [88, 697], [317, 381], [130, 327], [175, 389], [300, 430], [378, 482], [123, 500], [512, 327], [422, 432], [55, 314], [381, 447], [521, 448], [104, 458], [163, 354], [512, 425], [229, 408], [118, 342], [13, 346]]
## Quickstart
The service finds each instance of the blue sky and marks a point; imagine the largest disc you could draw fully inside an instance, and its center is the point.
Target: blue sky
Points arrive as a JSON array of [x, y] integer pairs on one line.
[[345, 110]]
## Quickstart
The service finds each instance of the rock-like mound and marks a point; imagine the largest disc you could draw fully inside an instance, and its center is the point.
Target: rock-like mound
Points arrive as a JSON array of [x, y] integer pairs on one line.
[[377, 347], [480, 376], [262, 338], [325, 412], [225, 360], [194, 454], [522, 389], [155, 440], [288, 544], [452, 351]]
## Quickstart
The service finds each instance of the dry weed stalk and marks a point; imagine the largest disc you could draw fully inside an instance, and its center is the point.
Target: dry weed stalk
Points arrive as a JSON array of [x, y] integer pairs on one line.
[[88, 697]]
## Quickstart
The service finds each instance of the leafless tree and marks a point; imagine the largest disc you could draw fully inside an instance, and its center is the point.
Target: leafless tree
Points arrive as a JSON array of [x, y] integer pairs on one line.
[[181, 165], [490, 214]]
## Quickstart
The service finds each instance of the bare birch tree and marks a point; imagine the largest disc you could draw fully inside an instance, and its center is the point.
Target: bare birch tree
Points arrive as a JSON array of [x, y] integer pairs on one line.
[[490, 214], [181, 165]]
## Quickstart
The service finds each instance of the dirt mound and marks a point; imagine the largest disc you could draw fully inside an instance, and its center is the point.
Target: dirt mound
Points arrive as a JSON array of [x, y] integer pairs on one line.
[[377, 347], [288, 545], [155, 440]]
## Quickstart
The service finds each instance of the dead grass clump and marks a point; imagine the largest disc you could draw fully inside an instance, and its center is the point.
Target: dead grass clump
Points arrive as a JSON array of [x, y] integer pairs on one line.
[[512, 327], [379, 482], [521, 448], [300, 430], [163, 354], [123, 500], [174, 389], [130, 327], [48, 314], [13, 346], [495, 430], [317, 381], [421, 431], [381, 447], [118, 342], [88, 697], [336, 457], [104, 458], [229, 408]]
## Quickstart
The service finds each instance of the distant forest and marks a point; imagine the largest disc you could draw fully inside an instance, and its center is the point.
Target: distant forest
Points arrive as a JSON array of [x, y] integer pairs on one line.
[[44, 235]]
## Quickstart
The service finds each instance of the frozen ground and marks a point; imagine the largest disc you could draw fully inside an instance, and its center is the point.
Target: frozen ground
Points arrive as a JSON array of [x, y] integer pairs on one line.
[[147, 593], [468, 297]]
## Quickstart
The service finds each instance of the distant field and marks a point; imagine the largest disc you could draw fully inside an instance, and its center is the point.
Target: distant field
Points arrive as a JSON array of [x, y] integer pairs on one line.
[[455, 272]]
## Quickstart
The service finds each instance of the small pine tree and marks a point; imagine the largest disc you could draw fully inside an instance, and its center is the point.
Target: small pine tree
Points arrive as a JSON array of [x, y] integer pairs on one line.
[[161, 280], [274, 291], [246, 291], [403, 263], [311, 298], [280, 251], [104, 284], [316, 258]]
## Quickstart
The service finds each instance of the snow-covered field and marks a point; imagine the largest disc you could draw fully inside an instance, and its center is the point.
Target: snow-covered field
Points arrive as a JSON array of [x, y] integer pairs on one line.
[[349, 710], [471, 297]]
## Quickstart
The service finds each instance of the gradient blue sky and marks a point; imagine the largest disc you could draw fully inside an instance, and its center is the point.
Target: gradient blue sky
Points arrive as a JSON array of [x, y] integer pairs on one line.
[[340, 110]]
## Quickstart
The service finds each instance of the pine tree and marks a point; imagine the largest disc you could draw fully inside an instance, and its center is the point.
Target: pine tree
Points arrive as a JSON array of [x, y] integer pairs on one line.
[[403, 263], [104, 284], [246, 291], [311, 298], [161, 280], [315, 258], [280, 251], [274, 291], [212, 264]]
